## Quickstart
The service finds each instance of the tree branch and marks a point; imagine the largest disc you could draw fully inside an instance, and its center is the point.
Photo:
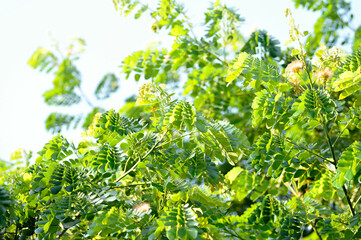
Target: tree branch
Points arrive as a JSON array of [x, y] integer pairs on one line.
[[315, 229], [335, 164], [343, 131], [141, 159], [62, 233], [132, 185], [85, 98], [308, 150]]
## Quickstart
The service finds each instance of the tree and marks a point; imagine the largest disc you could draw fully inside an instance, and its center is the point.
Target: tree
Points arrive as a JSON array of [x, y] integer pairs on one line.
[[264, 146], [333, 26]]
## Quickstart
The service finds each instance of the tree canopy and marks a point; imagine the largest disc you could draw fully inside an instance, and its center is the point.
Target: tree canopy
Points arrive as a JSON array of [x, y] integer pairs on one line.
[[230, 137]]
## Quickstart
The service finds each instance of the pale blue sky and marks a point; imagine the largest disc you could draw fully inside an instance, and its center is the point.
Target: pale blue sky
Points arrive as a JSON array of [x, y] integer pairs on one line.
[[25, 24]]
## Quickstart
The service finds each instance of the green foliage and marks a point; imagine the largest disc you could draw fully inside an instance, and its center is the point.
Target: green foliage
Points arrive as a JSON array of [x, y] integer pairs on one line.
[[109, 84], [356, 41], [67, 90], [43, 59], [5, 203], [317, 102], [262, 43], [322, 188], [180, 115], [180, 223], [236, 68], [57, 121], [330, 23], [349, 165], [352, 63], [223, 139], [349, 75], [348, 82], [255, 148], [269, 107]]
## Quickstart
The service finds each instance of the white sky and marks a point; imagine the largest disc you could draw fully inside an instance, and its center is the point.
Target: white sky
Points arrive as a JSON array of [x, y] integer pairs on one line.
[[25, 25]]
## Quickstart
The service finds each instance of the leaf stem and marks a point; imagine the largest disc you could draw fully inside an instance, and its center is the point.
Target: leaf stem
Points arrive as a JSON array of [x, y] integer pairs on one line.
[[343, 131], [62, 233], [324, 125], [85, 98], [131, 185], [233, 234], [174, 139], [308, 150], [141, 158], [16, 232], [316, 231], [359, 198], [66, 229], [307, 70], [186, 19], [291, 188], [345, 23]]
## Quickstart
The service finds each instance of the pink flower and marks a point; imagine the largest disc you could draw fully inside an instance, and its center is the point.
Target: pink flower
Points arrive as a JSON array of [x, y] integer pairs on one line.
[[142, 207], [324, 74], [293, 78], [294, 66]]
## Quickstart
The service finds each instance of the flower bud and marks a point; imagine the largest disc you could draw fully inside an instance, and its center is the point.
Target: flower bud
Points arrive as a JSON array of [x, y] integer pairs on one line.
[[294, 67]]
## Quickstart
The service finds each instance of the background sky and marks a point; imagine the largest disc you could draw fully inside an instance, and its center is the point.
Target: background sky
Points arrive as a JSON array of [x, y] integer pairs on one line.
[[25, 26]]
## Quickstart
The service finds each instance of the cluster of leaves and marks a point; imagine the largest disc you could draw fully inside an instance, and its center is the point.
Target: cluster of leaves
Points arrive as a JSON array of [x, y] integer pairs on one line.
[[334, 24], [257, 150], [67, 90]]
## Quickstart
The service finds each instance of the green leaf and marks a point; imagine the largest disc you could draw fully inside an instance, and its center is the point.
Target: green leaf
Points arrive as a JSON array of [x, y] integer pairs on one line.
[[69, 188], [70, 223], [348, 82], [357, 39], [55, 190], [182, 233], [261, 41], [108, 85], [236, 67], [178, 30], [55, 122], [295, 52], [39, 230], [181, 115], [232, 175], [299, 173], [290, 169], [349, 234], [348, 164], [43, 59], [172, 233], [192, 232], [47, 226]]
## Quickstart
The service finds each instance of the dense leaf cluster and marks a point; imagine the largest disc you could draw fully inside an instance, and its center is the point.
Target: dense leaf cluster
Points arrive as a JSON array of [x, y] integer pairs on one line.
[[265, 143]]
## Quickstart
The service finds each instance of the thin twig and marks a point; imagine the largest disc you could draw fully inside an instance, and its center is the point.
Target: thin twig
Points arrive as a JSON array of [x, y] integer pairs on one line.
[[62, 233], [174, 139], [315, 229], [199, 44], [131, 185], [141, 159], [359, 198], [66, 229], [307, 71], [345, 23], [335, 164], [308, 150], [233, 234], [343, 131], [85, 97], [16, 233]]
